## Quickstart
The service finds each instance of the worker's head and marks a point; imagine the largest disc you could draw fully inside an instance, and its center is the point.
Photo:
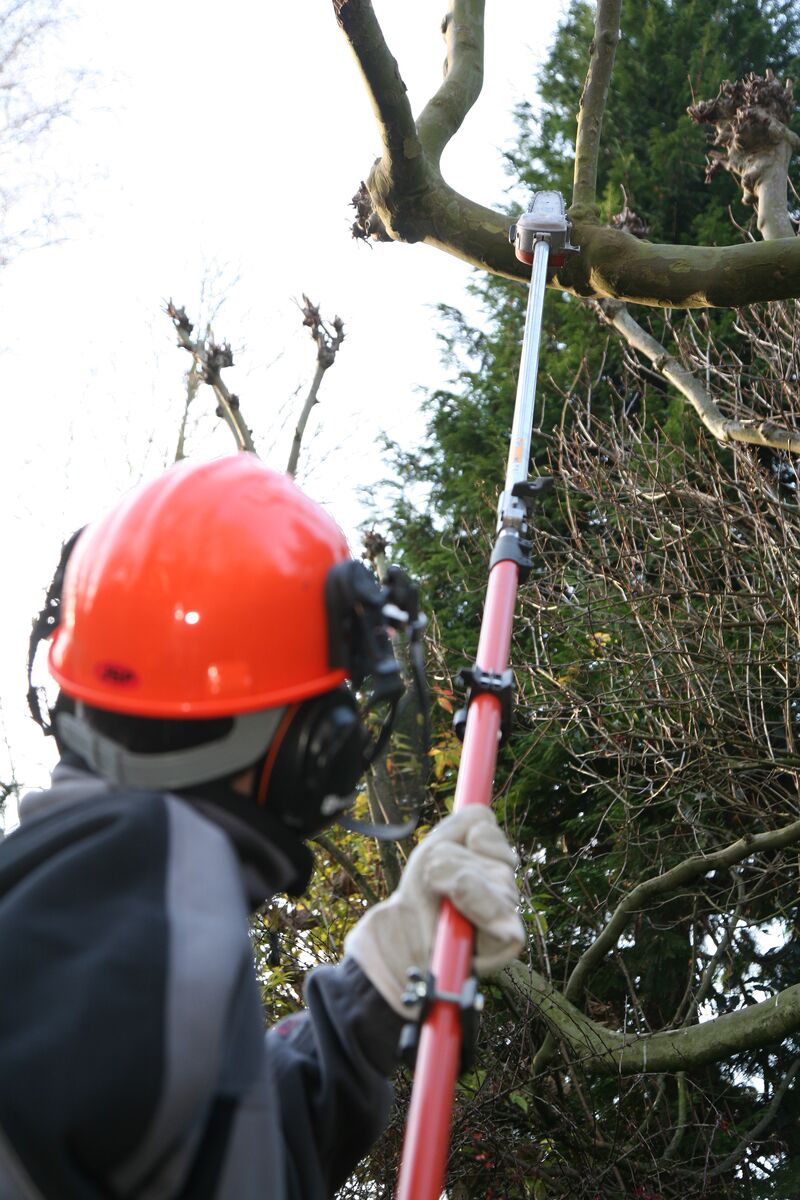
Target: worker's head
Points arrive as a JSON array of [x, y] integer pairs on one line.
[[207, 627]]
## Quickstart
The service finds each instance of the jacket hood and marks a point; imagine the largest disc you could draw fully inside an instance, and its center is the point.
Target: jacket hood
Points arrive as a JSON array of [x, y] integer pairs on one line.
[[272, 858]]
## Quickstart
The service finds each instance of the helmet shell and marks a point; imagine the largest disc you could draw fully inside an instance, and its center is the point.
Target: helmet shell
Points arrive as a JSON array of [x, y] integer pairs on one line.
[[200, 594]]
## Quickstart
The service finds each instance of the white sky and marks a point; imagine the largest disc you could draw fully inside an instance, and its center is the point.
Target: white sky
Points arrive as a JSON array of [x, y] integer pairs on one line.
[[221, 142]]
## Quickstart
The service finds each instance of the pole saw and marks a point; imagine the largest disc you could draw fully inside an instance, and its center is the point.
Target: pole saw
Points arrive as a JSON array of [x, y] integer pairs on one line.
[[449, 1000]]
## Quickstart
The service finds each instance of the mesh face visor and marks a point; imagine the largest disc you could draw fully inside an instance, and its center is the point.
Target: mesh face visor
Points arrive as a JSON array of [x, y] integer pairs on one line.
[[376, 635], [43, 625]]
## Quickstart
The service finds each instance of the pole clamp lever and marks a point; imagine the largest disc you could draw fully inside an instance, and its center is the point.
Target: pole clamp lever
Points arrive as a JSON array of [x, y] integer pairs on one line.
[[495, 683], [514, 507], [421, 990]]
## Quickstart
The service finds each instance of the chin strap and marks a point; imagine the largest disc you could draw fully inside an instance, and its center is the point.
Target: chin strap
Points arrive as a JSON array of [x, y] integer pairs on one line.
[[383, 833]]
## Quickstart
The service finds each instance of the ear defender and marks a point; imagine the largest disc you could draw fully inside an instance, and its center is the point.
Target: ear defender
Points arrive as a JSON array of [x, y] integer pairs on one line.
[[314, 763]]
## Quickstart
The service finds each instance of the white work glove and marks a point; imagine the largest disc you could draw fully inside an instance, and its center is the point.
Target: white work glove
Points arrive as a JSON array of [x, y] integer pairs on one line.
[[465, 858]]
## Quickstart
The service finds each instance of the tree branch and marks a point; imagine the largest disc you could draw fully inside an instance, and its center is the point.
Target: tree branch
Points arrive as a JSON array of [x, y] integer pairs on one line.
[[751, 119], [402, 164], [680, 1125], [593, 104], [668, 882], [444, 114], [389, 853], [410, 201], [602, 1051], [192, 387], [755, 432], [211, 359], [327, 346], [616, 264], [348, 866], [735, 1157]]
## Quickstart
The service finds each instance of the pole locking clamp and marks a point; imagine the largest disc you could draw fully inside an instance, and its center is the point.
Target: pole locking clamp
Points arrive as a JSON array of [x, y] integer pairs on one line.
[[495, 683], [422, 990]]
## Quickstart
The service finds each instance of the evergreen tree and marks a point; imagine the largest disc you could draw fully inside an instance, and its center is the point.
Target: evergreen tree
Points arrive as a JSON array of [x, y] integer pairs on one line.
[[634, 656]]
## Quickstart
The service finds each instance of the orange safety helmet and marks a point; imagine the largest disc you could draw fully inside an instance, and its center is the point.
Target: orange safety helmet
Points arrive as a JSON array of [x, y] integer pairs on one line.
[[201, 594]]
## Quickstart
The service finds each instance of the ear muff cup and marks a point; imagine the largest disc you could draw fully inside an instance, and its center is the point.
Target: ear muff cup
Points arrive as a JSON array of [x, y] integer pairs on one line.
[[317, 758]]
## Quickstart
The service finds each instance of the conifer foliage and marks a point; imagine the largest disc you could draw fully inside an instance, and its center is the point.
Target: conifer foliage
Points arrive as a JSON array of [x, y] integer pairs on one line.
[[652, 786]]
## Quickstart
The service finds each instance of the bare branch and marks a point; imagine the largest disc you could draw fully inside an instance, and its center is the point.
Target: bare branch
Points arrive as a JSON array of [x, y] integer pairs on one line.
[[211, 359], [328, 344], [753, 432], [192, 388], [406, 199], [402, 158], [389, 852], [615, 264], [760, 1127], [680, 1125], [593, 104], [668, 882]]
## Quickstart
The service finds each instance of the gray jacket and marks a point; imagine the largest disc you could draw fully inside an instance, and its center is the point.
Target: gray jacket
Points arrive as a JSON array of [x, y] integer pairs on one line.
[[133, 1056]]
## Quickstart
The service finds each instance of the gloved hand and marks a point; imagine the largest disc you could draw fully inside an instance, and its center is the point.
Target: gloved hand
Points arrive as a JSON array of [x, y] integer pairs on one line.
[[465, 858]]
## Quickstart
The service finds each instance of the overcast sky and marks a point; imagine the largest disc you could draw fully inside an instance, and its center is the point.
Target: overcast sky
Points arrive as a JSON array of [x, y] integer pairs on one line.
[[217, 148]]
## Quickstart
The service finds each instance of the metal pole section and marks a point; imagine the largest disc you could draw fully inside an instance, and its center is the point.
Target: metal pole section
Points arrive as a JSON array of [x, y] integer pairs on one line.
[[429, 1117], [519, 451]]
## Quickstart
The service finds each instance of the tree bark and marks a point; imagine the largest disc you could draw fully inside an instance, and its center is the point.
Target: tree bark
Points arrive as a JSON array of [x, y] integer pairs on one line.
[[601, 1051]]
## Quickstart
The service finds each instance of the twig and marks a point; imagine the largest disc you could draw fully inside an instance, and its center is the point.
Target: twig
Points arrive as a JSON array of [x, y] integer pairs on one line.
[[348, 866], [753, 1134]]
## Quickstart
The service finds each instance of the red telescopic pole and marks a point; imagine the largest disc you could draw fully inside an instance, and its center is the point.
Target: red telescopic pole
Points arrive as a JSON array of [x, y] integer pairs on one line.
[[542, 229]]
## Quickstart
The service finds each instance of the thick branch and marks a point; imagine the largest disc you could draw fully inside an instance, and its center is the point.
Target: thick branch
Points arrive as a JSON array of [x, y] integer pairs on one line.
[[601, 1051], [402, 152], [593, 104], [613, 263], [755, 433], [751, 119], [443, 115], [412, 203]]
